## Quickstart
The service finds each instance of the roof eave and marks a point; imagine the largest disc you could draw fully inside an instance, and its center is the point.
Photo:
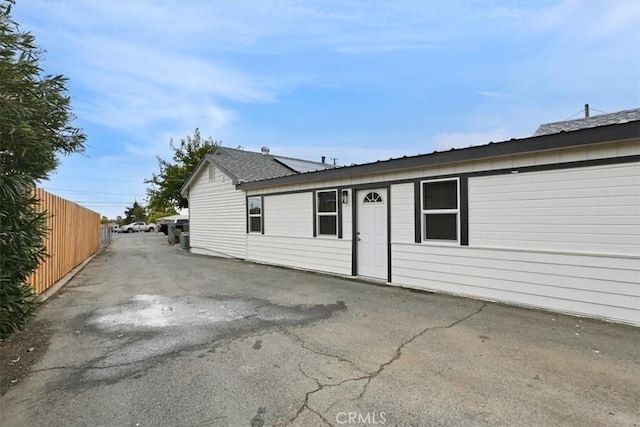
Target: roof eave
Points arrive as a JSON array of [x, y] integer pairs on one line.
[[609, 133]]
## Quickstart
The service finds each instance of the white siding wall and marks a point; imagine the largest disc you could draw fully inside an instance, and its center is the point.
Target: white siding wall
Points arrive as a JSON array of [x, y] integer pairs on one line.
[[329, 255], [217, 216], [289, 215], [402, 213], [600, 286], [347, 216], [592, 210], [288, 238]]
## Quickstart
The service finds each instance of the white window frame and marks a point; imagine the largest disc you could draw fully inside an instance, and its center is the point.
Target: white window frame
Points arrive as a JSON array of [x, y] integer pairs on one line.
[[321, 214], [254, 215], [424, 212]]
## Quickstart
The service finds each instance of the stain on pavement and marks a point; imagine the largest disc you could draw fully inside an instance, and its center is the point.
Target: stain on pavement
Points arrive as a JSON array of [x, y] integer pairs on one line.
[[153, 327], [258, 420]]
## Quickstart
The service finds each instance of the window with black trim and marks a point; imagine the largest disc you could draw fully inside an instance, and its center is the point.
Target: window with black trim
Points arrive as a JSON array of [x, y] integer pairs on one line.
[[327, 212], [440, 210], [255, 214]]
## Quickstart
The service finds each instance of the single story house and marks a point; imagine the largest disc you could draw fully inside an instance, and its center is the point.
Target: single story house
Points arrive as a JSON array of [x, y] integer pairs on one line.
[[551, 221]]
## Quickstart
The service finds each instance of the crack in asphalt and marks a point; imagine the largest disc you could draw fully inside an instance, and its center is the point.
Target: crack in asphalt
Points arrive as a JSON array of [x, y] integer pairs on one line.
[[306, 400], [53, 368], [369, 376], [307, 375], [409, 341], [305, 404], [303, 344], [320, 386]]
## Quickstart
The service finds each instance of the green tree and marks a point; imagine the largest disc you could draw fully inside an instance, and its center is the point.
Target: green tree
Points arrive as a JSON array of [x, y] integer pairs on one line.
[[135, 213], [154, 215], [164, 192], [35, 128]]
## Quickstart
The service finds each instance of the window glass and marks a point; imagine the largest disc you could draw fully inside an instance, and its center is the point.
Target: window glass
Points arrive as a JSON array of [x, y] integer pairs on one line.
[[373, 198], [327, 201], [255, 205], [441, 226], [327, 224], [255, 224], [440, 195]]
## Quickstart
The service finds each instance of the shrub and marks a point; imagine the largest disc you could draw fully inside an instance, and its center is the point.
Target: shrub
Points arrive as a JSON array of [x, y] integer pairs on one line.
[[35, 128]]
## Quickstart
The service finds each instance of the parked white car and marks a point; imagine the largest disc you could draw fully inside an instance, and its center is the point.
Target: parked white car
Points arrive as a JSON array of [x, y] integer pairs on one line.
[[137, 226]]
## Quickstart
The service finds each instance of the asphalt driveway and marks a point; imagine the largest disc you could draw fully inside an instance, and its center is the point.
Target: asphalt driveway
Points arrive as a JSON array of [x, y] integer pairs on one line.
[[148, 335]]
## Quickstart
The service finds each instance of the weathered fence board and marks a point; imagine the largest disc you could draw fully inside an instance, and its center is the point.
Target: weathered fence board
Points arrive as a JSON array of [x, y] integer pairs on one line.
[[74, 235]]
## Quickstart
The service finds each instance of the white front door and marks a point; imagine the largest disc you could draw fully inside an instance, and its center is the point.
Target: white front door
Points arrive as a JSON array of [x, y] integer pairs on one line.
[[372, 233]]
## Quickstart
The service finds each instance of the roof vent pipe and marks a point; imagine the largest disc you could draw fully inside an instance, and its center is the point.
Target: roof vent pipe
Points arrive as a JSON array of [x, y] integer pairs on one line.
[[586, 111], [264, 150], [323, 159]]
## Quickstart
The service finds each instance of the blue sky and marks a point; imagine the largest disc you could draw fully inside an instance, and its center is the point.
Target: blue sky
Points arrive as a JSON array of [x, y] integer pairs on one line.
[[357, 81]]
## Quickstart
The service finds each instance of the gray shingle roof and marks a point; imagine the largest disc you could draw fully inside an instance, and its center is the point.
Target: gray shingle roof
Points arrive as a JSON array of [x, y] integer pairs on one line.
[[591, 122], [247, 166]]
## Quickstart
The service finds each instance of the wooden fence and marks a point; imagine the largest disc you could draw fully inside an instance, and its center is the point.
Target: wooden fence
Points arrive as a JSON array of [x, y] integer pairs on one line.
[[74, 235]]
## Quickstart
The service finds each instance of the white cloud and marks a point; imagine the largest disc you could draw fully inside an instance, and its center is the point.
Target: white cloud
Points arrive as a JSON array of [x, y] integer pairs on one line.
[[132, 86], [124, 76], [149, 71], [344, 155], [446, 141], [492, 94], [586, 20]]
